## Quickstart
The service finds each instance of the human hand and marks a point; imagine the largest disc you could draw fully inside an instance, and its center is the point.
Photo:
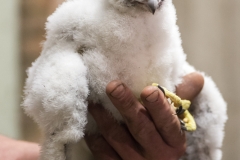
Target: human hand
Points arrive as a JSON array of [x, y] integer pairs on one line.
[[11, 149], [151, 131]]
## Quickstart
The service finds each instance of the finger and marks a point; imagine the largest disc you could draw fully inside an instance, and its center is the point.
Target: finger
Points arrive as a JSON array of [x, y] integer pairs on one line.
[[191, 86], [168, 125], [136, 117], [163, 116], [100, 148], [115, 134]]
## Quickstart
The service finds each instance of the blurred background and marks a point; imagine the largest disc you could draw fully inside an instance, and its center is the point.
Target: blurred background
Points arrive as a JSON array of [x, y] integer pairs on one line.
[[211, 36]]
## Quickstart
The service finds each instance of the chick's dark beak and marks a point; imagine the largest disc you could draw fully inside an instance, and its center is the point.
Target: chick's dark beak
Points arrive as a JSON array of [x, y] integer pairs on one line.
[[153, 5]]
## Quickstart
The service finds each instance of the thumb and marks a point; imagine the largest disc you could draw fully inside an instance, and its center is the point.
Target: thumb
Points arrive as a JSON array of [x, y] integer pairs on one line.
[[191, 86]]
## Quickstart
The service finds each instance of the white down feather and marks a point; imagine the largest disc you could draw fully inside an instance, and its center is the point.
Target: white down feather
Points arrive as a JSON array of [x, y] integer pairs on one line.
[[92, 42]]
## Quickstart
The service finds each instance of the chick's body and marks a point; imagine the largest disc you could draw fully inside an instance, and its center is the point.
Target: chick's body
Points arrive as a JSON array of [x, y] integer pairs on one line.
[[88, 44]]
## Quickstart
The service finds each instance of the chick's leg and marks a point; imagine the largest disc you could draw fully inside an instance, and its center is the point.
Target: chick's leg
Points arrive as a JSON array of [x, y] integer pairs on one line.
[[56, 97]]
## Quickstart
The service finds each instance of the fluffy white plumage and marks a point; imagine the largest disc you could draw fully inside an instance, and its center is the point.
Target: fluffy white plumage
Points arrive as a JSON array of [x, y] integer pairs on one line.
[[91, 42]]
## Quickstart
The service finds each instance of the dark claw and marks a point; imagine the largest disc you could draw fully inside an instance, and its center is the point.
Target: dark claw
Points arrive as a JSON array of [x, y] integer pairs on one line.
[[161, 89], [183, 128], [180, 110], [182, 125], [181, 122]]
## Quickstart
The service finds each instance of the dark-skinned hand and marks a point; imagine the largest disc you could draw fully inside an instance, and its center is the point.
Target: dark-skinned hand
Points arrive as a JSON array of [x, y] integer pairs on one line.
[[150, 132]]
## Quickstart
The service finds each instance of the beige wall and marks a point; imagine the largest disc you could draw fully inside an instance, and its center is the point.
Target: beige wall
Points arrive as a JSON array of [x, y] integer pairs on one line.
[[32, 19], [211, 38], [9, 69]]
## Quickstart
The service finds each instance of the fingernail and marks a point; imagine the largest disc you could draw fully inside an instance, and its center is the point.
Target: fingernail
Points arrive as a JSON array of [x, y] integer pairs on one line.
[[118, 91], [153, 97]]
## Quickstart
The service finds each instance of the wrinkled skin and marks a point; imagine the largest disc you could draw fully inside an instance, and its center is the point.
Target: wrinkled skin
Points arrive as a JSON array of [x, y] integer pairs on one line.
[[151, 130]]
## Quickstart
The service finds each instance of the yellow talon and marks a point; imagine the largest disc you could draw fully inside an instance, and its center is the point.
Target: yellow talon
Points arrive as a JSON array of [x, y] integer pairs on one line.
[[181, 107]]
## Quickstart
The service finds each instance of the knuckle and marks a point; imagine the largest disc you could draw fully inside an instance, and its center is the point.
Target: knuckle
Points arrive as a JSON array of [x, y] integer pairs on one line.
[[167, 124], [141, 127], [114, 133], [127, 102]]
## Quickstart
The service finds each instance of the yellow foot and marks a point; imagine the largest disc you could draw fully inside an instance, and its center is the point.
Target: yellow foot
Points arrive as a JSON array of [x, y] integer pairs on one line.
[[181, 107]]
